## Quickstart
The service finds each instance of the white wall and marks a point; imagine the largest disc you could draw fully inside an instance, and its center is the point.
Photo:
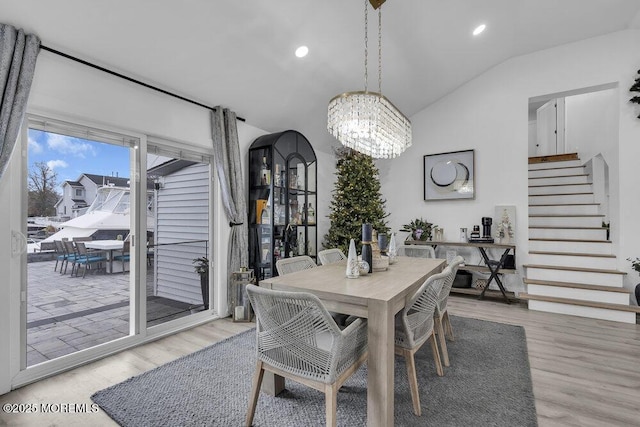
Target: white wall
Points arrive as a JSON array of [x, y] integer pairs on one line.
[[489, 114], [591, 125]]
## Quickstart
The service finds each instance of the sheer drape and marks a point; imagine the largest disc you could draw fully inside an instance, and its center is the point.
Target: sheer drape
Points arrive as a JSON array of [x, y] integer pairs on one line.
[[18, 54], [228, 165]]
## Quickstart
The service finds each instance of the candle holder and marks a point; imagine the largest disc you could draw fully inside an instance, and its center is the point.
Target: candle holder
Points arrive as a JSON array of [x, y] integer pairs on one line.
[[240, 306]]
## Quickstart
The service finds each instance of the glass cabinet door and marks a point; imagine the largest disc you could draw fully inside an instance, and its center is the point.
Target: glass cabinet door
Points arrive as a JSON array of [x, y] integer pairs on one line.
[[282, 200]]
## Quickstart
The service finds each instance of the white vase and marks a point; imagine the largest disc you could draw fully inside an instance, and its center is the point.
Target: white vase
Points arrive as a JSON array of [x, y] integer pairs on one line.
[[353, 270], [392, 251]]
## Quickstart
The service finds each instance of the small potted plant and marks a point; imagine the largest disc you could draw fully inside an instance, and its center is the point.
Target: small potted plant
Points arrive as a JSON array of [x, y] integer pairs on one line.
[[419, 229], [635, 263], [201, 266]]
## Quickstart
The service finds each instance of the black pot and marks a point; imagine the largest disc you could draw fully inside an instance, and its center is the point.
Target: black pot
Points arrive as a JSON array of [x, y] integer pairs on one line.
[[638, 293], [204, 288]]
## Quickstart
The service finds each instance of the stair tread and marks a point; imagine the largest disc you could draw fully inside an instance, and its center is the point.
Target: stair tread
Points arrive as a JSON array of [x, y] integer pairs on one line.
[[560, 194], [586, 270], [564, 204], [559, 185], [573, 254], [556, 227], [565, 215], [556, 167], [543, 239], [564, 157], [558, 176], [576, 285], [605, 305]]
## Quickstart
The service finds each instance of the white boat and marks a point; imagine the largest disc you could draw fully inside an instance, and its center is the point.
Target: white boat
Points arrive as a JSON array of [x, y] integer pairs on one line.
[[107, 218]]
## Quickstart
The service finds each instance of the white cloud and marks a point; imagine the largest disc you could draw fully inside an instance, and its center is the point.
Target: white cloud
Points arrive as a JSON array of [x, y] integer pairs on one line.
[[53, 164], [69, 145], [34, 146]]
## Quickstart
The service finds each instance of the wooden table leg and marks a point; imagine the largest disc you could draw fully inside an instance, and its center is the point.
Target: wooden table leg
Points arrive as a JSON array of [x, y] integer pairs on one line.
[[380, 392], [272, 384]]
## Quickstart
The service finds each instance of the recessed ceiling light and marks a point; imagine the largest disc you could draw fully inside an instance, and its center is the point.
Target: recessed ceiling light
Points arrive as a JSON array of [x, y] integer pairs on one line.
[[302, 51], [479, 29]]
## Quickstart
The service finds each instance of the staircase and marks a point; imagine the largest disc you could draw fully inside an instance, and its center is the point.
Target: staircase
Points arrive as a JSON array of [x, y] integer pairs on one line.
[[571, 269]]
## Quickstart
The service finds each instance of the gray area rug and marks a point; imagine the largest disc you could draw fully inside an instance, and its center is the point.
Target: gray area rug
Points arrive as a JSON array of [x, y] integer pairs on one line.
[[487, 384]]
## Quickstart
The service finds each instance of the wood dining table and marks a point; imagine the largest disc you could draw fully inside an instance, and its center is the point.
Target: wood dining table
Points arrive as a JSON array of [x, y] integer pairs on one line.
[[376, 296]]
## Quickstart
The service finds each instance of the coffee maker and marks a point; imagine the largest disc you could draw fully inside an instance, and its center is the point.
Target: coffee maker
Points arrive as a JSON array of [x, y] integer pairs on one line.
[[486, 231], [486, 227]]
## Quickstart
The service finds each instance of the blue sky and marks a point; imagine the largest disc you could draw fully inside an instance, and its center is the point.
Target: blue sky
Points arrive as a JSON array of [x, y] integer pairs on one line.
[[70, 157]]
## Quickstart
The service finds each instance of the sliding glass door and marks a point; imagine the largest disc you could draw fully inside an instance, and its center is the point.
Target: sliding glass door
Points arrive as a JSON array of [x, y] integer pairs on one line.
[[118, 243], [78, 218], [178, 230]]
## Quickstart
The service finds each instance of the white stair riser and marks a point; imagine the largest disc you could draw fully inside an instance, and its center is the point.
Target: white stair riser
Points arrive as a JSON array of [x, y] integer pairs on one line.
[[564, 209], [557, 180], [567, 233], [574, 261], [585, 277], [554, 165], [555, 172], [561, 189], [565, 221], [576, 310], [579, 294], [581, 247], [560, 199]]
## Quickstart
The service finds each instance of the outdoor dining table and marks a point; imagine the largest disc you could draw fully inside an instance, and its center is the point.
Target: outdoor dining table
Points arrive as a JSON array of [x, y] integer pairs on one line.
[[109, 246], [378, 297]]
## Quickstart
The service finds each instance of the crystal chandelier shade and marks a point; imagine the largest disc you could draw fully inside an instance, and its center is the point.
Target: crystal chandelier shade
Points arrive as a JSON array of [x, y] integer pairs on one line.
[[367, 121]]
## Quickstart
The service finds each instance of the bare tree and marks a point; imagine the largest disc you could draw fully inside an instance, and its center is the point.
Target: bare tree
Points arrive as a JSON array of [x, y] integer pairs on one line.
[[42, 190]]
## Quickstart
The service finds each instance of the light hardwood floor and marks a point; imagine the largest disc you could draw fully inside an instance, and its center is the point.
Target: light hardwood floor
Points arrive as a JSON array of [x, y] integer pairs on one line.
[[585, 372]]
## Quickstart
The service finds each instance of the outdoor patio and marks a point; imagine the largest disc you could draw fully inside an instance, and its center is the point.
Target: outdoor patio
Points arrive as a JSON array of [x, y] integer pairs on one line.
[[66, 314]]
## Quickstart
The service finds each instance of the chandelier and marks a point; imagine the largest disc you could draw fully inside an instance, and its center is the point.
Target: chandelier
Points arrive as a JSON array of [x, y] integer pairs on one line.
[[367, 121]]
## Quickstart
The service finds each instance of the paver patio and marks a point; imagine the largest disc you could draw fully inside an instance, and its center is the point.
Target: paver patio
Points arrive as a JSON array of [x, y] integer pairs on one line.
[[66, 314]]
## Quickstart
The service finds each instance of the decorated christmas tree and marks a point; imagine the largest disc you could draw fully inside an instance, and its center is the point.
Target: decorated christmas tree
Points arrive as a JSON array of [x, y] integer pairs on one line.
[[636, 88], [356, 200]]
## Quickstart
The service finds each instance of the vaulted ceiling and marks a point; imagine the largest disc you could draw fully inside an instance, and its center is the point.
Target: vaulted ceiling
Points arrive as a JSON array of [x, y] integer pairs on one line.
[[240, 53]]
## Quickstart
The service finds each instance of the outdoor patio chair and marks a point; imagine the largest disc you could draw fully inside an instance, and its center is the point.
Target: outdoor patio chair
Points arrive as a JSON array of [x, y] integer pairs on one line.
[[86, 259], [298, 339], [441, 315], [61, 254], [125, 255], [417, 251], [329, 256], [415, 325], [71, 255]]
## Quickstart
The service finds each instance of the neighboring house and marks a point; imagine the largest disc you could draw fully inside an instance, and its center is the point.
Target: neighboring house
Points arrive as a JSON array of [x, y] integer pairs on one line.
[[78, 195]]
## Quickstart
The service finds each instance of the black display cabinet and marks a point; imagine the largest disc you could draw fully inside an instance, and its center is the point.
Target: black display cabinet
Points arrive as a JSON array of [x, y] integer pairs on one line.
[[282, 200]]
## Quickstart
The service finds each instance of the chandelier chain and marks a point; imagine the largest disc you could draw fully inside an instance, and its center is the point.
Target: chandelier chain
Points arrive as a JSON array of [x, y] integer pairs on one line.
[[380, 50], [366, 44]]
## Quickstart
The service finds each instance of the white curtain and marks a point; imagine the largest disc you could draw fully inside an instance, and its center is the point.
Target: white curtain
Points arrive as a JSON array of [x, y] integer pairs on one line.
[[227, 161], [18, 54]]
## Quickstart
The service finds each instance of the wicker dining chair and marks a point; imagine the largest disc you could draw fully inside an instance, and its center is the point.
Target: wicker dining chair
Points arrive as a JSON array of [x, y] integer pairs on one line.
[[298, 339], [296, 263], [417, 251], [441, 315], [329, 256], [415, 325]]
